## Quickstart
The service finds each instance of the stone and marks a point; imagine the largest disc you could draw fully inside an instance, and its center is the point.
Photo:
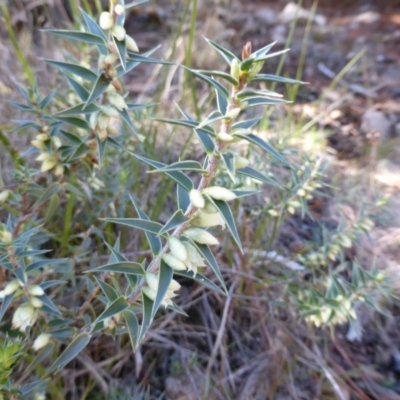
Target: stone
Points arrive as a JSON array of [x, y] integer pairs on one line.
[[376, 121], [292, 11]]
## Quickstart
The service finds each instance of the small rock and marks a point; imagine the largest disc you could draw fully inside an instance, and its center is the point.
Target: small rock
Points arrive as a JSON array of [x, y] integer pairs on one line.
[[292, 11], [368, 17], [373, 120], [266, 15]]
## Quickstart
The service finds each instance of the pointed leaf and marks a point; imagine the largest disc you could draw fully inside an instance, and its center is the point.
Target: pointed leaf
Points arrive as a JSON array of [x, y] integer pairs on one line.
[[123, 267], [182, 196], [100, 86], [50, 192], [84, 37], [177, 176], [247, 124], [108, 290], [154, 241], [5, 304], [212, 262], [227, 215], [226, 54], [278, 53], [76, 110], [120, 45], [211, 82], [74, 69], [95, 29], [125, 116], [275, 78], [78, 88], [252, 173], [262, 101], [182, 166], [75, 121], [229, 161], [74, 348], [222, 103], [220, 74], [265, 146], [163, 285], [114, 308], [132, 326], [41, 263], [147, 226], [201, 279], [263, 51], [147, 317], [177, 219], [244, 193]]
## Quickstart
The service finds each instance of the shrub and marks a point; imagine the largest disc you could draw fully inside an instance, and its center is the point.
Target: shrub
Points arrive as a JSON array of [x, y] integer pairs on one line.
[[74, 183]]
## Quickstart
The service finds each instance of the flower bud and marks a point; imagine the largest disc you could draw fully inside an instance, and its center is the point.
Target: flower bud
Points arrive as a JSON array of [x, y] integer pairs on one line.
[[232, 114], [102, 134], [150, 293], [119, 9], [235, 68], [225, 137], [117, 101], [108, 111], [209, 208], [200, 236], [196, 198], [106, 20], [37, 303], [42, 340], [35, 290], [273, 213], [241, 162], [4, 196], [219, 193], [110, 59], [47, 165], [177, 248], [118, 32], [255, 69], [193, 255], [174, 262], [6, 238], [2, 294], [111, 322], [24, 316], [207, 220], [131, 44], [59, 170], [11, 287], [152, 280]]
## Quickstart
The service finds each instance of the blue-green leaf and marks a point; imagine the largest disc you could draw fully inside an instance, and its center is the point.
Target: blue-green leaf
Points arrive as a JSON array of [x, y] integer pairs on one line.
[[201, 279], [252, 173], [39, 264], [182, 166], [220, 74], [123, 267], [263, 51], [132, 326], [222, 102], [223, 90], [114, 308], [74, 348], [262, 101], [163, 284], [5, 304], [95, 29], [275, 78], [226, 54], [247, 124], [125, 116], [147, 317], [108, 290], [177, 219], [100, 86], [265, 146], [182, 196], [77, 35], [75, 121], [142, 224], [76, 110], [212, 262], [177, 176], [74, 69], [154, 241], [229, 161], [78, 88], [53, 189], [227, 215], [121, 49]]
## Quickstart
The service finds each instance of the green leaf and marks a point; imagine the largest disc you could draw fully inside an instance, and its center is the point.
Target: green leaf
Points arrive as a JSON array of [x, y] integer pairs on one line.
[[229, 161], [212, 262], [78, 152], [265, 146], [246, 64], [51, 307], [201, 279], [247, 124], [41, 263], [73, 349], [244, 193], [177, 219], [77, 35], [243, 94], [163, 284], [123, 267], [182, 196], [275, 78], [125, 116], [53, 189], [76, 110], [100, 86], [52, 207], [226, 54], [177, 176], [263, 51], [262, 101], [132, 326], [202, 134], [46, 101], [74, 69], [121, 49], [75, 121], [78, 88], [227, 215], [114, 308], [177, 309], [108, 290], [211, 82], [188, 123], [222, 103], [182, 166], [147, 317], [96, 30], [154, 241], [252, 173], [220, 74], [5, 304], [21, 106], [266, 57], [142, 224]]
